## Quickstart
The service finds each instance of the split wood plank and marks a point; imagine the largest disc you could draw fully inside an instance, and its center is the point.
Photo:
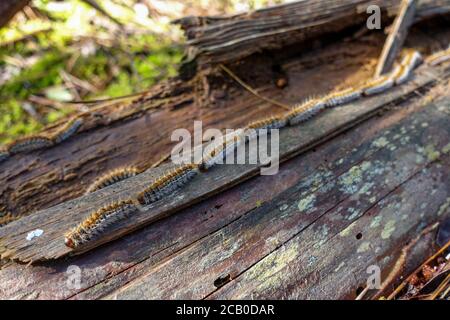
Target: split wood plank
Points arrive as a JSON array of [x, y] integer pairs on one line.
[[108, 268], [225, 39], [377, 197], [138, 133], [397, 36], [293, 140]]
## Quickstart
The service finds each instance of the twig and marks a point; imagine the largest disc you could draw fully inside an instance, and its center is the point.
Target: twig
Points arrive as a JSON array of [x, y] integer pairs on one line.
[[251, 90], [397, 36], [399, 288]]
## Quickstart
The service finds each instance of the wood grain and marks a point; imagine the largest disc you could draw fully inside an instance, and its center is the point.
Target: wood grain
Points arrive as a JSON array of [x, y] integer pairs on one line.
[[225, 39], [108, 268], [293, 140]]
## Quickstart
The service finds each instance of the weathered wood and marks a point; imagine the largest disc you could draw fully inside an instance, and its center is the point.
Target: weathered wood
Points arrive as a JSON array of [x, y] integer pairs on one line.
[[397, 36], [225, 39], [138, 133], [316, 243], [9, 8], [293, 140], [108, 268]]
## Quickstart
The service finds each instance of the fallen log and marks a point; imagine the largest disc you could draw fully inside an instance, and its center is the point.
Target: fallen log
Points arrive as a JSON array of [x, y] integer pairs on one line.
[[54, 222], [214, 40]]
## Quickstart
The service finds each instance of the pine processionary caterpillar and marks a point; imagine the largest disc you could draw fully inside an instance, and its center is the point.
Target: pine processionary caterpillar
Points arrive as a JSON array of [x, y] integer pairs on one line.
[[167, 183], [439, 57], [409, 62], [97, 222], [305, 111], [275, 122], [69, 129], [4, 220], [111, 178], [29, 144], [221, 151], [342, 97], [378, 85]]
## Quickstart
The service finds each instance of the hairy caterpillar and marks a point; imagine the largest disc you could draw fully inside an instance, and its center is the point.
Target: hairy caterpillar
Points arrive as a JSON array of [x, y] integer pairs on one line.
[[96, 223], [378, 85], [7, 218], [276, 122], [112, 177], [439, 57], [69, 129], [4, 154], [410, 61], [220, 151], [305, 111], [167, 183], [29, 144], [342, 97]]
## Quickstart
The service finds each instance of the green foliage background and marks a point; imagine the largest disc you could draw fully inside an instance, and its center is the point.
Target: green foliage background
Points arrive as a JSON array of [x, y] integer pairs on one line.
[[53, 37]]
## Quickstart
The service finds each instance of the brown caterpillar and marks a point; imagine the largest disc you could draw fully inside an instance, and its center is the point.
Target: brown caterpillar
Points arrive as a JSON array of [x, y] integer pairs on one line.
[[378, 85], [439, 57], [220, 151], [275, 122], [305, 111], [31, 143], [342, 97], [167, 183], [7, 218], [69, 129], [409, 62], [96, 223], [111, 178]]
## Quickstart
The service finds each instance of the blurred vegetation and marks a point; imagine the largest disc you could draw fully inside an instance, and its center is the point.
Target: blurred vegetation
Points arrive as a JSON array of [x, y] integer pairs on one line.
[[56, 51]]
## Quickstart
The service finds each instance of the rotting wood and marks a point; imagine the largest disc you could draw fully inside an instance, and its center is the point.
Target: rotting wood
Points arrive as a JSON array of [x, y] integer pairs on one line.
[[214, 40], [137, 131], [396, 38], [317, 221], [127, 133], [110, 267], [55, 221]]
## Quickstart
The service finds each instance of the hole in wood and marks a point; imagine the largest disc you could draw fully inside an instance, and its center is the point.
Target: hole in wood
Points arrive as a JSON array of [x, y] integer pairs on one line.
[[221, 281], [359, 236]]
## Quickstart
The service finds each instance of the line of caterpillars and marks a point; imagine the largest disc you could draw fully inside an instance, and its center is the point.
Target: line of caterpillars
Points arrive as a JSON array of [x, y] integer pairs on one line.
[[97, 222], [41, 141]]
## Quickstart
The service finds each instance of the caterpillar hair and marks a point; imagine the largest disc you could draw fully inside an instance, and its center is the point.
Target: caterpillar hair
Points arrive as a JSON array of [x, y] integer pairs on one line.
[[342, 97], [409, 62], [29, 144], [96, 223], [378, 85], [167, 183], [221, 151], [412, 59], [4, 154], [69, 129], [305, 111], [275, 122], [439, 57], [111, 178]]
